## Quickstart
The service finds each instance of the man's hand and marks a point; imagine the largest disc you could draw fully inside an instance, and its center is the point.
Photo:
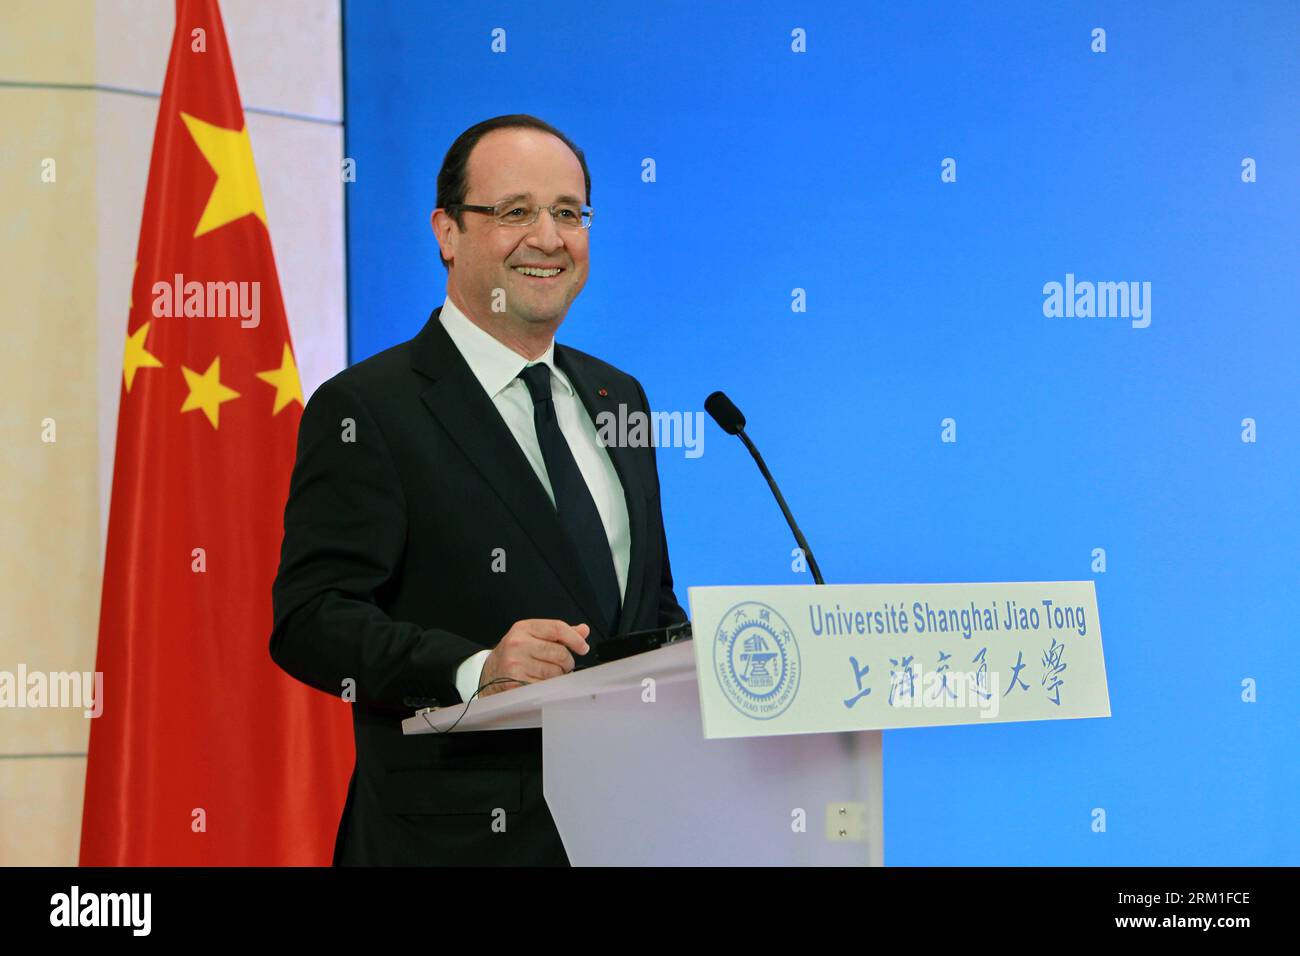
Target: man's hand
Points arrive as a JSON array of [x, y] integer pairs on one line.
[[532, 651]]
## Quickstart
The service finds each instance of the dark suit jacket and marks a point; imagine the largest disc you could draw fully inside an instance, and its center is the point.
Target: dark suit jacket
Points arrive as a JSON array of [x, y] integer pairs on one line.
[[386, 579]]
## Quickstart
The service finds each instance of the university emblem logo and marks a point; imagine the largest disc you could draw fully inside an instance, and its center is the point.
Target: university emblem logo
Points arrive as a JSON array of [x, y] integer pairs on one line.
[[756, 660]]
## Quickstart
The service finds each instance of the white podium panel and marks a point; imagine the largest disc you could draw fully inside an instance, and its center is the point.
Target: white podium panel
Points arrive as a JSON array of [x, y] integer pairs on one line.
[[634, 783]]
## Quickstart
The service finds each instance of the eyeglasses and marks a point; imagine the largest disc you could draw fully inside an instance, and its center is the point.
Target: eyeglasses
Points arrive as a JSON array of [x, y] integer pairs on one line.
[[524, 212]]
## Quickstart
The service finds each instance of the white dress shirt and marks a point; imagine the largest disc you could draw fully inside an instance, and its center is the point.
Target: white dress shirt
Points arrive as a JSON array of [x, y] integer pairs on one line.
[[497, 367]]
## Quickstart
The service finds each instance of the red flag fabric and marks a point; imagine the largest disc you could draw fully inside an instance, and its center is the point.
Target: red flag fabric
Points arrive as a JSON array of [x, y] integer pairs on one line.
[[206, 752]]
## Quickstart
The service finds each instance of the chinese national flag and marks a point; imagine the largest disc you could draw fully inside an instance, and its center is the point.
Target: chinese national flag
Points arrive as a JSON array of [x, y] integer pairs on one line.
[[206, 752]]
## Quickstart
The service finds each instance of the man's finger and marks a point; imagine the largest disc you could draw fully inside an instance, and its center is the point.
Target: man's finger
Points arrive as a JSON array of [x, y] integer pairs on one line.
[[562, 633]]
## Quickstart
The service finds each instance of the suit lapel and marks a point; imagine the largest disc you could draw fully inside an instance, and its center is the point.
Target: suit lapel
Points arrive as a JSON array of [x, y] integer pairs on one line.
[[460, 405]]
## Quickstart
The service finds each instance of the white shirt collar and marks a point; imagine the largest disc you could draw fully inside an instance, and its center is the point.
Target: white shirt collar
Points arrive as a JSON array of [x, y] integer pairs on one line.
[[493, 362]]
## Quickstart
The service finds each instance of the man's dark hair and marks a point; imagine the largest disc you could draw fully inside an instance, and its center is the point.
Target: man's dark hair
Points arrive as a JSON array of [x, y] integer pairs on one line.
[[453, 177]]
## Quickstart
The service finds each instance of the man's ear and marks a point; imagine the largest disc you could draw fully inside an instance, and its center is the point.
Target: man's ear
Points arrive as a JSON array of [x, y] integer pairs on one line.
[[443, 226]]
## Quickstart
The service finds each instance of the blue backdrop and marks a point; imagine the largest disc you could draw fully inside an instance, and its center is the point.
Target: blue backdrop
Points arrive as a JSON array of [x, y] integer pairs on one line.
[[822, 170]]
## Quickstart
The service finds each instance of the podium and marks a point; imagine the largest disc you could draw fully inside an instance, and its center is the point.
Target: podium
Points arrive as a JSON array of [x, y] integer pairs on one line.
[[631, 780]]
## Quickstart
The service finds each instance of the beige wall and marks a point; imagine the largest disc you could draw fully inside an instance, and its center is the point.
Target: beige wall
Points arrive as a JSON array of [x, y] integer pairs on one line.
[[67, 249]]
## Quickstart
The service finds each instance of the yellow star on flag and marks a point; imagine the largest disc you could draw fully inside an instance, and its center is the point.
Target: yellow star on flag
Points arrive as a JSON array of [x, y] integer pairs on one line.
[[206, 391], [230, 154], [288, 387], [136, 357]]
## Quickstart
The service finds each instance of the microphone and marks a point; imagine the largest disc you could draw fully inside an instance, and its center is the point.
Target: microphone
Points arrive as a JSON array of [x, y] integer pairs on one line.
[[731, 421]]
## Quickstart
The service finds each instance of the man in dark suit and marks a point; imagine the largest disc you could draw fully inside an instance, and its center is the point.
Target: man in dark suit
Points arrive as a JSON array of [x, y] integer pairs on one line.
[[455, 524]]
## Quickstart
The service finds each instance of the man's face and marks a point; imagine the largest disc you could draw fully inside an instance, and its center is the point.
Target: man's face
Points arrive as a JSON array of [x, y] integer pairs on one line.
[[510, 163]]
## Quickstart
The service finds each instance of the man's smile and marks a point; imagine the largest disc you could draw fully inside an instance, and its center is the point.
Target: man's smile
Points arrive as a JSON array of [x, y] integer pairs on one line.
[[543, 274]]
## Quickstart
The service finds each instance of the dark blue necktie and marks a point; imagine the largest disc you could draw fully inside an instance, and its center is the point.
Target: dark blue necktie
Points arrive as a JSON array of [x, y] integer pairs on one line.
[[573, 501]]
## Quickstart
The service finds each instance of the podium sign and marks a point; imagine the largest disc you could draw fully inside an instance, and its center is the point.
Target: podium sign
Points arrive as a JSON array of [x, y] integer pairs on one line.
[[802, 659]]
